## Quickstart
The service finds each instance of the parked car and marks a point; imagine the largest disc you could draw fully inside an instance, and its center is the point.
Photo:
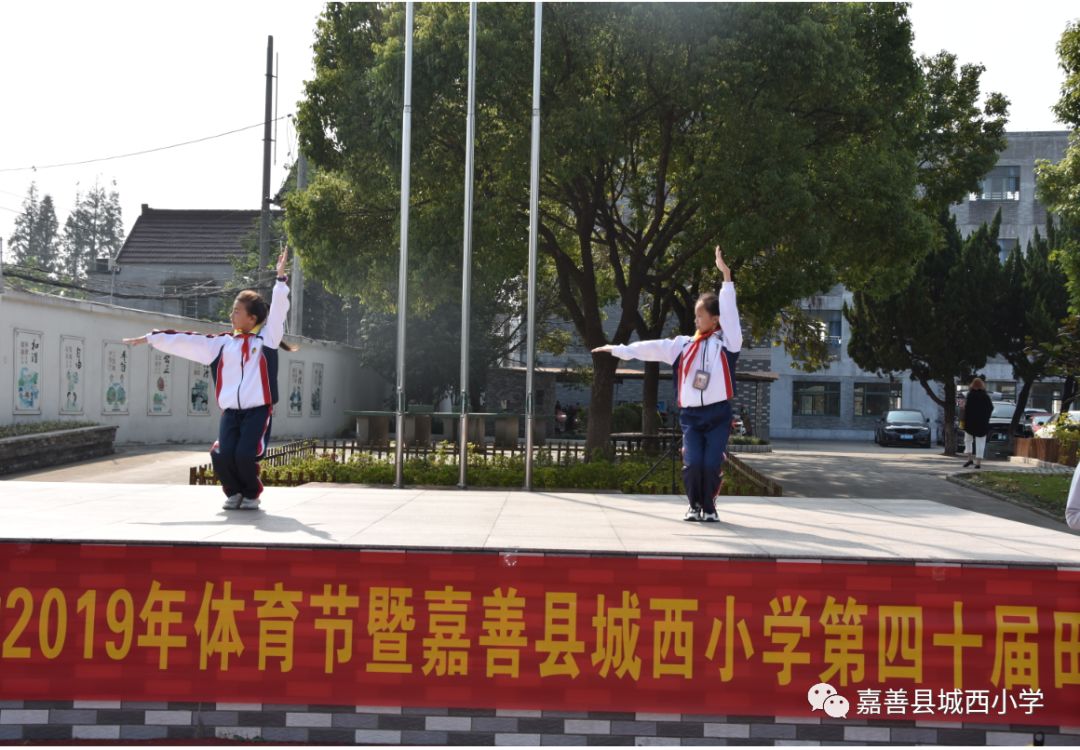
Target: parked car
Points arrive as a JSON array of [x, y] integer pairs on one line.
[[1047, 430], [1030, 415], [997, 439], [903, 427]]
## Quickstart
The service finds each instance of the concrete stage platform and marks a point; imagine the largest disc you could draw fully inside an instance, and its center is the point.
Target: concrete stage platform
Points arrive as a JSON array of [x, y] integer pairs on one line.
[[417, 519]]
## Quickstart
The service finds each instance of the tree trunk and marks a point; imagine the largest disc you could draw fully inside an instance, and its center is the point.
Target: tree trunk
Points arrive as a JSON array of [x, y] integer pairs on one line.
[[948, 405], [650, 418], [1021, 402], [950, 417], [1068, 393], [597, 437]]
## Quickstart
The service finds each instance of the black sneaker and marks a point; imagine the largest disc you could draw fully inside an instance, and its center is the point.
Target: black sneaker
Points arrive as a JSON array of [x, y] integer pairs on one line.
[[692, 514]]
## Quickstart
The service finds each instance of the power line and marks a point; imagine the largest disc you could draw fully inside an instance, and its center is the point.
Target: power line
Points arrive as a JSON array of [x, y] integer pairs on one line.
[[136, 153]]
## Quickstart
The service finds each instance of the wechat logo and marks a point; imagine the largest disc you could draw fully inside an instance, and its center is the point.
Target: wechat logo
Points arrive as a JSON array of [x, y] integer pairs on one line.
[[823, 697]]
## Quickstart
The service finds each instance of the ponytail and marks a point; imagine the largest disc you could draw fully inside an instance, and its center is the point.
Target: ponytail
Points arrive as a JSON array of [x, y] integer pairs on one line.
[[257, 307]]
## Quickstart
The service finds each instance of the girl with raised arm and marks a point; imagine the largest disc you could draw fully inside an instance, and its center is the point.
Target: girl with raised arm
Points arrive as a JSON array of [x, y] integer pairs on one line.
[[705, 384], [244, 367]]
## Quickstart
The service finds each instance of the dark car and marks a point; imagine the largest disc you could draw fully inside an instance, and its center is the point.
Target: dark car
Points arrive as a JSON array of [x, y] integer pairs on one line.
[[997, 439], [903, 427]]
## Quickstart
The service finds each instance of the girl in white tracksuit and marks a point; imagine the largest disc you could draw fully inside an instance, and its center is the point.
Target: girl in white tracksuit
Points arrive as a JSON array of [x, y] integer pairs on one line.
[[1072, 505], [244, 367], [705, 384]]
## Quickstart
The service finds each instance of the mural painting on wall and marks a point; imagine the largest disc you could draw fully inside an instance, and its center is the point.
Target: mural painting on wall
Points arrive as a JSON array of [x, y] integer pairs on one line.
[[160, 385], [199, 390], [28, 366], [71, 382], [296, 389], [115, 379], [316, 389]]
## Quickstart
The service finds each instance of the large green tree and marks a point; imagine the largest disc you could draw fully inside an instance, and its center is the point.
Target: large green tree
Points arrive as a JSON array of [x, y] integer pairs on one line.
[[94, 229], [938, 323], [1030, 312], [34, 242], [346, 222], [941, 325], [1058, 187], [789, 133]]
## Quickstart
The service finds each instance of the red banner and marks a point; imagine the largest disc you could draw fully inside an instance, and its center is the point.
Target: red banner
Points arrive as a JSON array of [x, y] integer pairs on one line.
[[692, 636]]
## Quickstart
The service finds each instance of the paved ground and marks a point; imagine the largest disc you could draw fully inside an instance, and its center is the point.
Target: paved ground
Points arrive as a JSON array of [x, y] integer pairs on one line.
[[514, 522], [157, 464], [864, 470], [825, 469]]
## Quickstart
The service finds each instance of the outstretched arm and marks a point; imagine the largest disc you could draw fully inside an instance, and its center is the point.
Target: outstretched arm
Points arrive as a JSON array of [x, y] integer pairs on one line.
[[660, 350], [200, 347]]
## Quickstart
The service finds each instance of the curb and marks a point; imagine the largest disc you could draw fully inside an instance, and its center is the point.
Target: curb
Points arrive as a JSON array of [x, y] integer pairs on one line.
[[749, 448], [1012, 499]]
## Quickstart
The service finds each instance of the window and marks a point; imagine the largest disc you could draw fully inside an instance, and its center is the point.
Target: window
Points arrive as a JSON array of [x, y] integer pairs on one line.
[[1005, 246], [1001, 184], [832, 326], [874, 399], [816, 399]]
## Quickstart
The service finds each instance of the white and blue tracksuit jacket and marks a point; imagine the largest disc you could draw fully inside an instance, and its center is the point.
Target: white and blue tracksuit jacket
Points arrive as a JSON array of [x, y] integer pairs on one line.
[[244, 366], [715, 355]]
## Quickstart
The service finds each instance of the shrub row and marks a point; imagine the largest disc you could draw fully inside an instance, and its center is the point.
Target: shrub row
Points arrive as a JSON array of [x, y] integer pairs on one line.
[[495, 472]]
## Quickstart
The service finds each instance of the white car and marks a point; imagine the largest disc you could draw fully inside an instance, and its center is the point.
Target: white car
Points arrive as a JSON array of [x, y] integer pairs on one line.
[[1046, 430]]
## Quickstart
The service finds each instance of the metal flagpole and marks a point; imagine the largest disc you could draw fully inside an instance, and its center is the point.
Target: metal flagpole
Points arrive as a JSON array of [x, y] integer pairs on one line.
[[466, 268], [534, 217], [403, 266]]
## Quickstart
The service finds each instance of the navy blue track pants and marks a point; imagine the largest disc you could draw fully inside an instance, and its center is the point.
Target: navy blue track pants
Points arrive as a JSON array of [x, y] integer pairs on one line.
[[705, 439], [243, 436]]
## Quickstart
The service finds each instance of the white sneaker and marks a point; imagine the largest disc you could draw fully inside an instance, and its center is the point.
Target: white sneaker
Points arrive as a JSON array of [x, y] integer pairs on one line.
[[249, 503], [232, 502], [711, 517], [692, 514]]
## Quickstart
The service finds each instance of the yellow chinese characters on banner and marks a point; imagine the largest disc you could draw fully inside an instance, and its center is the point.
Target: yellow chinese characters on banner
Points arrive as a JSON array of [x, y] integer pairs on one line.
[[528, 634], [502, 635]]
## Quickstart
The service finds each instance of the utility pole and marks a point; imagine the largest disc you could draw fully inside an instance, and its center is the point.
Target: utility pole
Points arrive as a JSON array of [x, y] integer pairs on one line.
[[264, 223], [1, 265], [296, 292]]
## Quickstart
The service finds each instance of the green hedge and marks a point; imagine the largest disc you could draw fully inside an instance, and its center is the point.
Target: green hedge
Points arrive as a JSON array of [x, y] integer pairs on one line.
[[494, 472]]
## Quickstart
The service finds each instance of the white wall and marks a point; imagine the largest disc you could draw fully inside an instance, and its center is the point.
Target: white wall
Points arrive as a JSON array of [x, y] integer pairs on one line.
[[346, 385]]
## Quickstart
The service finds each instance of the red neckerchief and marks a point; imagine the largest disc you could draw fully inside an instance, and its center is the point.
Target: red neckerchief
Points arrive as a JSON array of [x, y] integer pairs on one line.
[[688, 357], [245, 350], [699, 335]]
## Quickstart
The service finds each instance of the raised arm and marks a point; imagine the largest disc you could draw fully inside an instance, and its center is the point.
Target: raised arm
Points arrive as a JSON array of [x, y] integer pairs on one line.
[[274, 330], [729, 310]]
